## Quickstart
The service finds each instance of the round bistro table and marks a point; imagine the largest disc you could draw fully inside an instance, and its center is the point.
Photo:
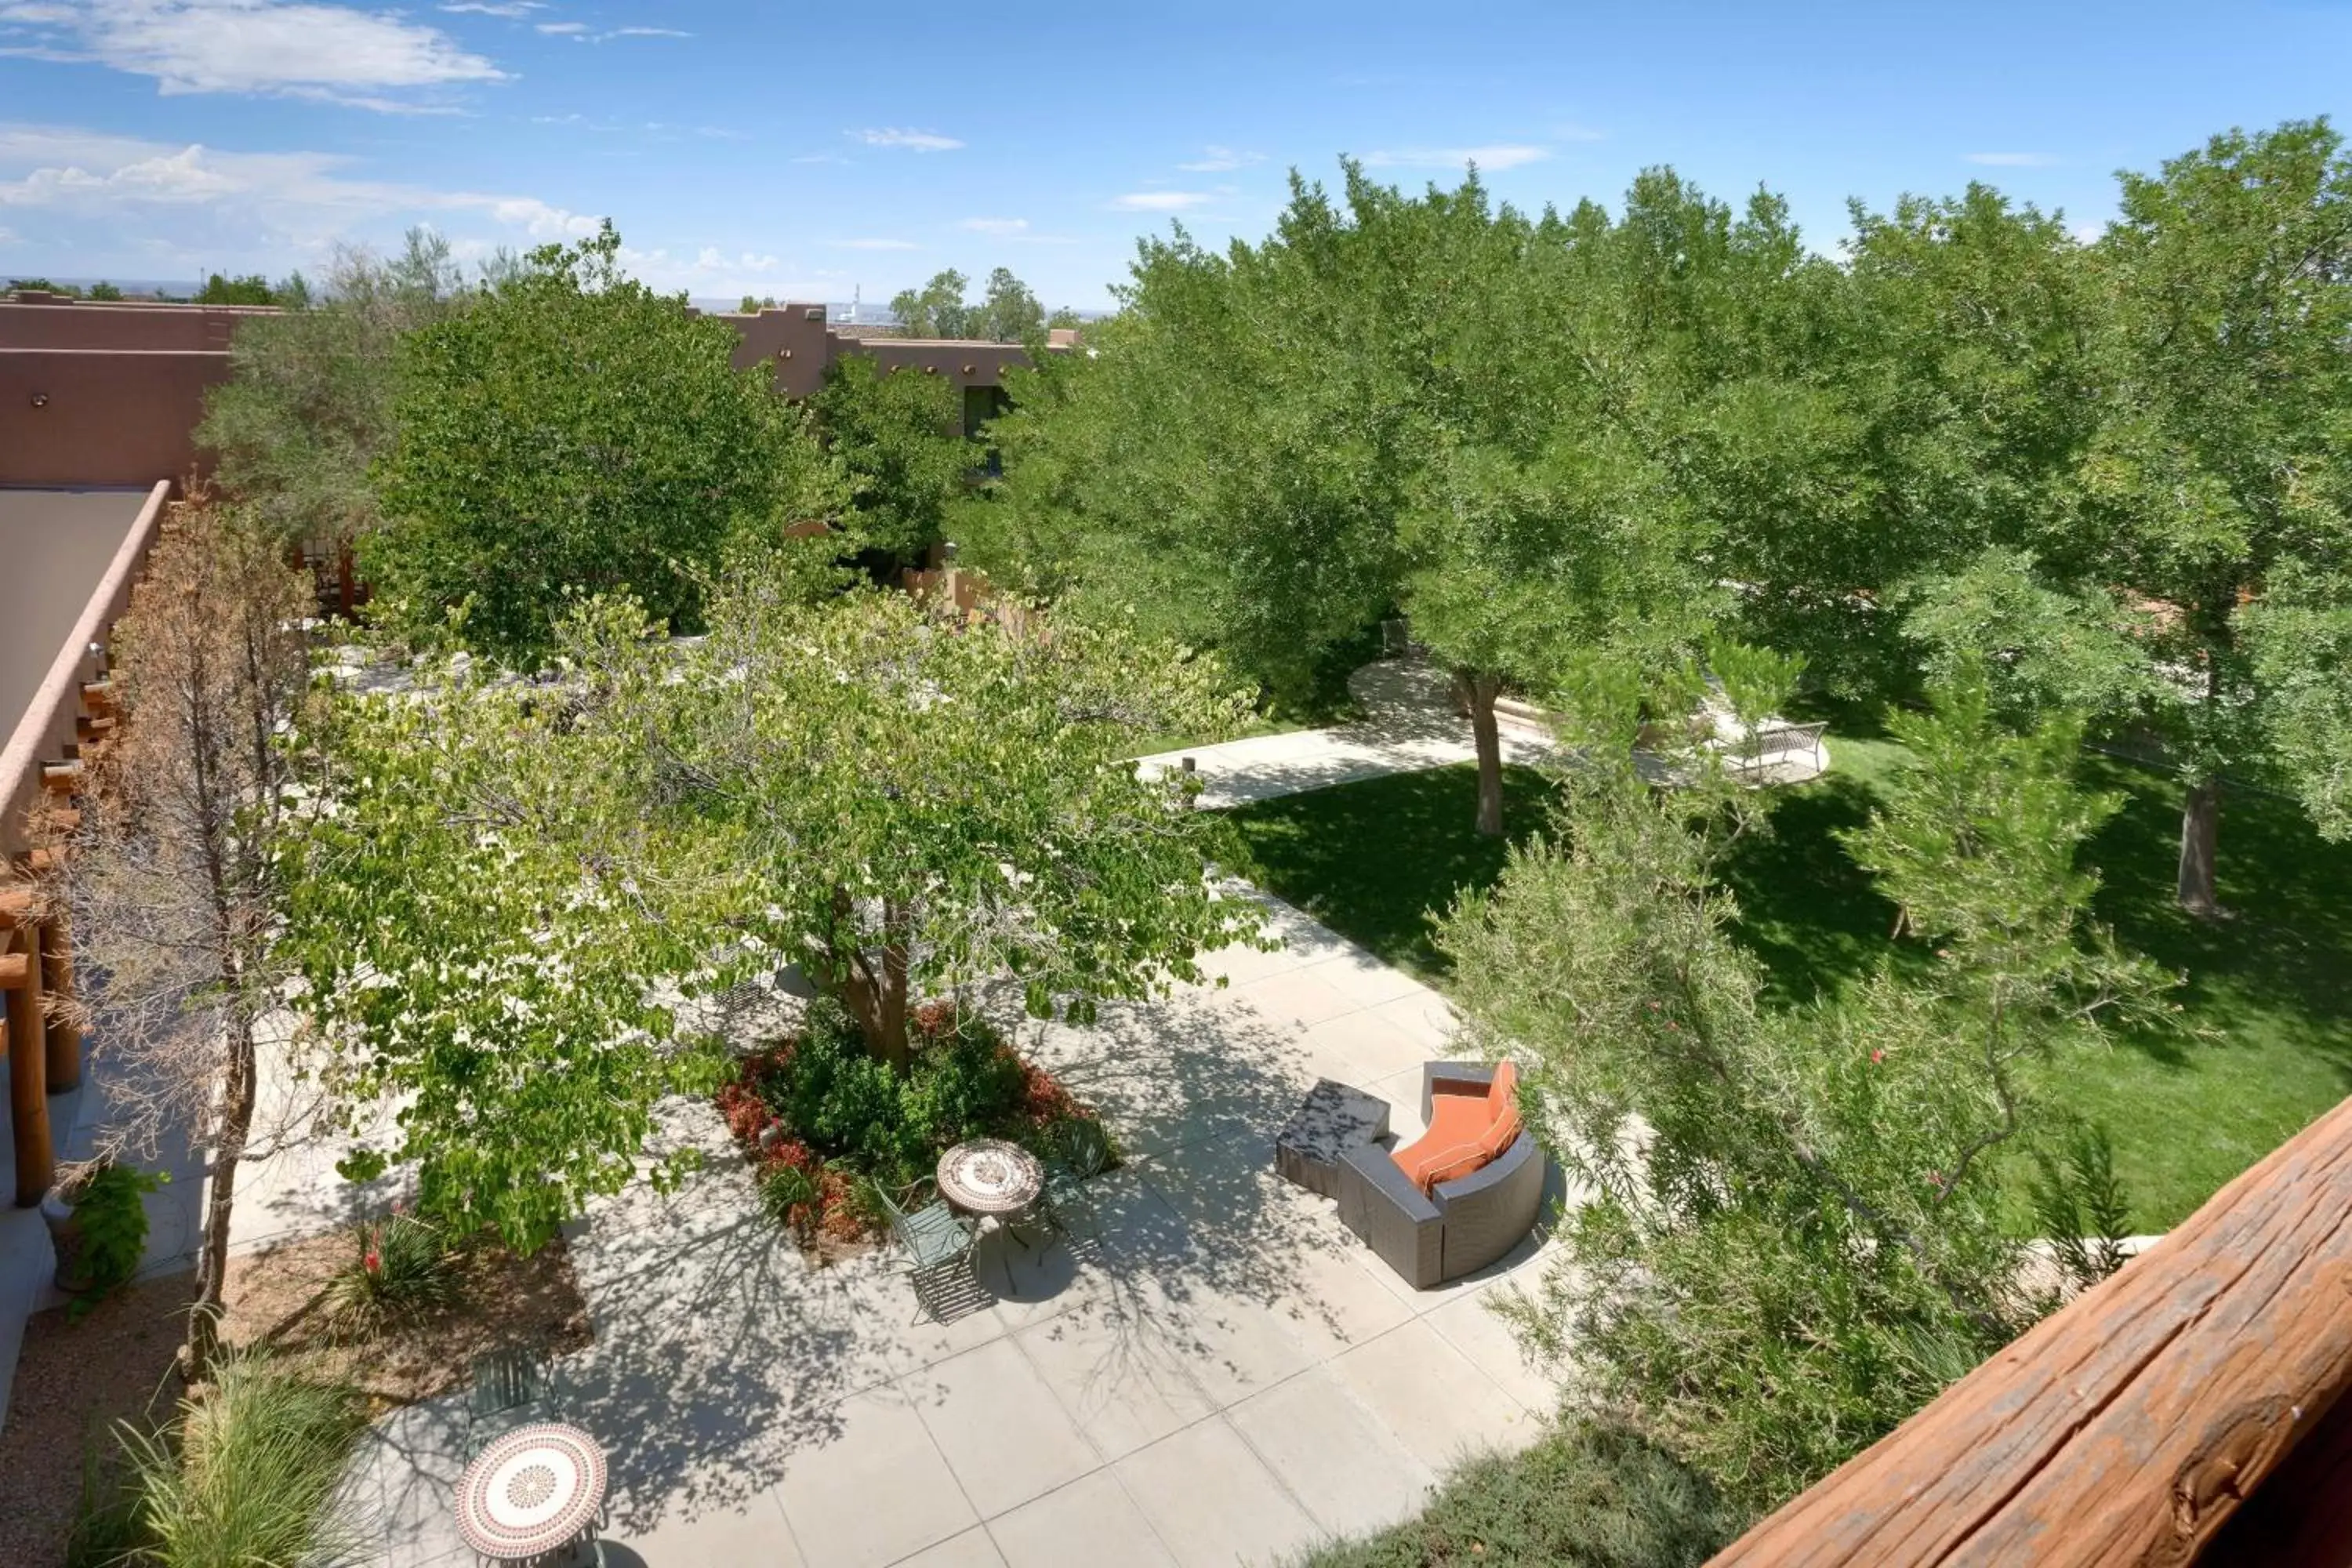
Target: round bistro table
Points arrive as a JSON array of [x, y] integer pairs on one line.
[[532, 1491], [990, 1176]]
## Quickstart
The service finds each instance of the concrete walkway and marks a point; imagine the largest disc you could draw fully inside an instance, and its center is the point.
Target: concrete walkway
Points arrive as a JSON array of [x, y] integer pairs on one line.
[[1409, 726], [1215, 1373]]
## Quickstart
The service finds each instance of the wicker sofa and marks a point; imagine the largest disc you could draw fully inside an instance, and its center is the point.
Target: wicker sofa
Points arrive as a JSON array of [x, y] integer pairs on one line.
[[1458, 1225]]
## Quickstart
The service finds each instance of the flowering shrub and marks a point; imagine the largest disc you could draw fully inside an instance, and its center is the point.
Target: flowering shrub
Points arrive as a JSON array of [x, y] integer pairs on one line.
[[819, 1119], [400, 1265]]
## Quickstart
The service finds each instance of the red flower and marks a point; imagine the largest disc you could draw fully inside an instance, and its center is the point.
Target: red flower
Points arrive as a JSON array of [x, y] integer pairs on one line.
[[375, 1261], [1878, 1055]]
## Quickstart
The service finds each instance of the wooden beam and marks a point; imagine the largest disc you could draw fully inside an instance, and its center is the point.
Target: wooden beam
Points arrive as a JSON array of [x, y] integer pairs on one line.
[[28, 1080], [61, 778], [2129, 1427]]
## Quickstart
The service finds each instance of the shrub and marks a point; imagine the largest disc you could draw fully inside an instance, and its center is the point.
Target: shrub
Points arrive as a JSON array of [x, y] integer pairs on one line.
[[963, 1086], [399, 1266], [113, 1219], [251, 1477], [790, 1193], [1587, 1496]]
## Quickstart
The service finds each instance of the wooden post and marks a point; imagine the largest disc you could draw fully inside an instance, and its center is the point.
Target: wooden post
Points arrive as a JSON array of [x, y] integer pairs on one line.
[[28, 1078], [64, 1035]]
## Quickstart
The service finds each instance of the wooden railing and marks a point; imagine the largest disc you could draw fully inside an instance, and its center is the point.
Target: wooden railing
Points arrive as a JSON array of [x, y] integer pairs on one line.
[[2198, 1389]]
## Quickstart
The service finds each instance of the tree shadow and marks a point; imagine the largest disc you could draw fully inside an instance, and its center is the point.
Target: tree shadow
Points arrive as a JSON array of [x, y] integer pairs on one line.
[[1342, 854]]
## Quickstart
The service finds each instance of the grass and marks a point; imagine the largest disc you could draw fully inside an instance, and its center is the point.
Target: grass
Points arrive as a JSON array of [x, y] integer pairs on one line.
[[250, 1477], [1582, 1497], [1377, 862]]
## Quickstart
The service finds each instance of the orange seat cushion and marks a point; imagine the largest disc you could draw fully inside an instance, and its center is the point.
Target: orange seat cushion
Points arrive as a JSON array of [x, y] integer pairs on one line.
[[1465, 1132]]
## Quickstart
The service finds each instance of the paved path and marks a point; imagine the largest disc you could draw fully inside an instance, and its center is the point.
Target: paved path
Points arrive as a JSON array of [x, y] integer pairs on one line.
[[1409, 725], [1216, 1373]]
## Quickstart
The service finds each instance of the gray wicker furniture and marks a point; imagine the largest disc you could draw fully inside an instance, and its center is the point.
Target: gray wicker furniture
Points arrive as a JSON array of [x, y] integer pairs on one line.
[[1461, 1226], [1332, 1120]]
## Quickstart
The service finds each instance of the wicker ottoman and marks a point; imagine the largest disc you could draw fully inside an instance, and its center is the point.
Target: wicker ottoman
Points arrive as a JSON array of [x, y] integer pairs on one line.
[[1333, 1120]]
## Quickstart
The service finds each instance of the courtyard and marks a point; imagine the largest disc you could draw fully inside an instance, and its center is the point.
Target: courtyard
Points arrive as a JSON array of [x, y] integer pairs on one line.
[[1211, 1370]]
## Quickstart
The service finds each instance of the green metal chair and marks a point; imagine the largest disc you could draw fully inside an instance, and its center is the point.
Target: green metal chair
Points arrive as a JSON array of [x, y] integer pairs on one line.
[[510, 1388], [936, 1243], [1082, 1151]]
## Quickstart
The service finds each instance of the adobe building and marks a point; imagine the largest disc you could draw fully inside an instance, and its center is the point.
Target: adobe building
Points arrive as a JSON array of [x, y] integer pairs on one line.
[[109, 393]]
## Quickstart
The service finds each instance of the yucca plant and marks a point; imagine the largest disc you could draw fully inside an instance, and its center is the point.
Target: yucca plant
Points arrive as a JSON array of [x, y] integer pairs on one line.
[[249, 1477], [399, 1265]]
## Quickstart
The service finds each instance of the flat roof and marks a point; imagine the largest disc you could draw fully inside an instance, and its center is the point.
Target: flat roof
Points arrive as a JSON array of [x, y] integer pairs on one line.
[[55, 545]]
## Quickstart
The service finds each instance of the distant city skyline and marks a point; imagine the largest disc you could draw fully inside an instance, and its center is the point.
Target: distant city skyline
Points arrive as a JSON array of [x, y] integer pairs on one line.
[[153, 139]]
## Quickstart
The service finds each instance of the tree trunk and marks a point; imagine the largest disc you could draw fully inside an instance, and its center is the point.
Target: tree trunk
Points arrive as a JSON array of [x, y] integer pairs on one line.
[[875, 997], [1483, 689], [2201, 835], [237, 1098]]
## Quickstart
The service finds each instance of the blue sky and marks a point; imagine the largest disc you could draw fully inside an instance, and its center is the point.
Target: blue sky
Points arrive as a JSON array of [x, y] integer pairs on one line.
[[803, 151]]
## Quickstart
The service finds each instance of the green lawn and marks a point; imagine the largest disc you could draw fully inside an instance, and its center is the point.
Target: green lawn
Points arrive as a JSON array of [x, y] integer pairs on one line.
[[2274, 983]]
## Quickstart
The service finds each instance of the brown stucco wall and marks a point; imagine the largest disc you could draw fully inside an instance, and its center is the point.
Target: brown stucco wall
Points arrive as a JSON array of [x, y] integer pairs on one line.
[[101, 416], [122, 386]]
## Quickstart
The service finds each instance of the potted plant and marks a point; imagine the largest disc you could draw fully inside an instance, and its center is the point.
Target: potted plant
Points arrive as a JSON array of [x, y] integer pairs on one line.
[[96, 1217]]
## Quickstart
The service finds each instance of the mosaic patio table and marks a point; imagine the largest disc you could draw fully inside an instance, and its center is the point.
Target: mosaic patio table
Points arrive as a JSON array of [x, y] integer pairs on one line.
[[990, 1176], [533, 1492]]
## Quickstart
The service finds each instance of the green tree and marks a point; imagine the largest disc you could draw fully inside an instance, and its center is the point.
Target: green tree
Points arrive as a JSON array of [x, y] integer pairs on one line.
[[1009, 312], [479, 936], [571, 429], [514, 902], [250, 289], [1424, 403], [897, 440], [308, 404], [1796, 1231], [103, 290], [908, 806], [936, 310], [2198, 583]]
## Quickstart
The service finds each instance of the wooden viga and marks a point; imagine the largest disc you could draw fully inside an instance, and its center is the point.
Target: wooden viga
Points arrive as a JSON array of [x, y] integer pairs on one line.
[[2191, 1408], [42, 1042]]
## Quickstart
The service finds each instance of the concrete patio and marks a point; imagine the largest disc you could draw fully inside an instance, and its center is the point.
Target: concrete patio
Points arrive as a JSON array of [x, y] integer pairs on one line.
[[1214, 1372]]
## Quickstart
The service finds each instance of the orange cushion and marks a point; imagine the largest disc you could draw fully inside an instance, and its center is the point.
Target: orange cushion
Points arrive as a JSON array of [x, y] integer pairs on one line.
[[1447, 1165], [1501, 1135], [1504, 1092]]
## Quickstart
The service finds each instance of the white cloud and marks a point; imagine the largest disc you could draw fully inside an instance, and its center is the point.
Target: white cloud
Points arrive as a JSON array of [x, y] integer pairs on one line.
[[998, 226], [116, 186], [1492, 158], [820, 158], [1161, 201], [912, 141], [877, 245], [645, 33], [563, 28], [332, 53], [511, 8], [2013, 160], [1215, 160]]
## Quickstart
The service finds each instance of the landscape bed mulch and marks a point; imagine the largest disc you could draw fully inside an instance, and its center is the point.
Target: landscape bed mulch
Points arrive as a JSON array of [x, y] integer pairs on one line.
[[75, 1380], [275, 1302]]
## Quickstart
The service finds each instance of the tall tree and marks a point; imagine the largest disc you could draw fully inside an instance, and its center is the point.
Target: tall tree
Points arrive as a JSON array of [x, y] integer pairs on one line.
[[2198, 583], [174, 877], [1424, 403], [572, 430], [308, 404], [908, 806], [1797, 1235], [936, 310], [896, 442]]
